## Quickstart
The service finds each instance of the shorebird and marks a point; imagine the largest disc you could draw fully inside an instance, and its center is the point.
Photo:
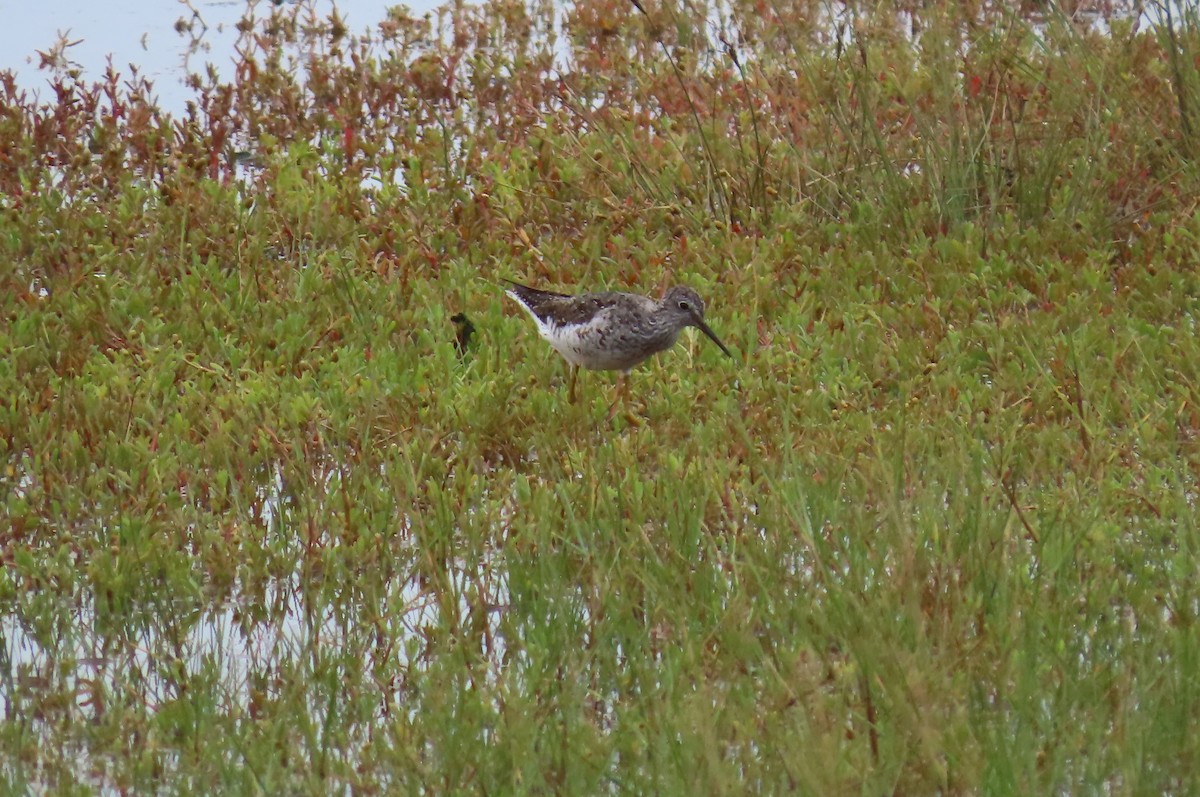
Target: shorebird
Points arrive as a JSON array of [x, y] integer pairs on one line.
[[611, 331]]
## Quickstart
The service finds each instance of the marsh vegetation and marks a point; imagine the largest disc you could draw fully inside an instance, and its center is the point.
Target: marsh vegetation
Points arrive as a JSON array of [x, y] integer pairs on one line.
[[266, 528]]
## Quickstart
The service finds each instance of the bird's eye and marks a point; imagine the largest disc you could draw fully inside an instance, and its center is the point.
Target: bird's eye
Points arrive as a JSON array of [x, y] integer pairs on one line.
[[683, 305]]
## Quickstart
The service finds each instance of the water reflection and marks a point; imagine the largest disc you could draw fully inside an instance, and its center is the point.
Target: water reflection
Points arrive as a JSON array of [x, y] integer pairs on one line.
[[67, 660]]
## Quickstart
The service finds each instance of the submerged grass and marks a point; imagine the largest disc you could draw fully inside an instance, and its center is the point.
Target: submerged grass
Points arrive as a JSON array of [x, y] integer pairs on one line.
[[266, 529]]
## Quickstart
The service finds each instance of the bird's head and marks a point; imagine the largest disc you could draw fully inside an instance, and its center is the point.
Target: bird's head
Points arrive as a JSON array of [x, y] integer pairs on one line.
[[685, 308]]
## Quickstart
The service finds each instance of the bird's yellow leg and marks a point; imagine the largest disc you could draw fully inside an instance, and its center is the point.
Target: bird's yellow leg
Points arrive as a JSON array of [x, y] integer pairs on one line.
[[574, 369], [618, 398]]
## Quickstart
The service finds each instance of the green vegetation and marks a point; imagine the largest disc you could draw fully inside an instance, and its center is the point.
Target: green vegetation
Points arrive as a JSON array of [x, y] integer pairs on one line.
[[263, 529]]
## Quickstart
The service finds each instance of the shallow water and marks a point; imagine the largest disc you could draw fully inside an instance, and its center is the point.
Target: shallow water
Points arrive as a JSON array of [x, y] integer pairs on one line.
[[143, 33]]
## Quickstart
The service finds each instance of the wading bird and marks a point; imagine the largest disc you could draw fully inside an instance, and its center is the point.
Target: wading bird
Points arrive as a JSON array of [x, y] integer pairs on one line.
[[611, 331]]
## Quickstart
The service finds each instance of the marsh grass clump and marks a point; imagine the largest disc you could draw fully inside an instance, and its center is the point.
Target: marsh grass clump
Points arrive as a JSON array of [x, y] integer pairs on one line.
[[267, 525]]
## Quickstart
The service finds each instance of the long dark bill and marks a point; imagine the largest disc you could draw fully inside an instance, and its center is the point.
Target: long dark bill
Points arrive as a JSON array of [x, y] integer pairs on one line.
[[703, 327]]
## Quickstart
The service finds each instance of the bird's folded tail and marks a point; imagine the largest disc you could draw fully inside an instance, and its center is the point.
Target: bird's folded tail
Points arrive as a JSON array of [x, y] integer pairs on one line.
[[536, 302], [525, 290]]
